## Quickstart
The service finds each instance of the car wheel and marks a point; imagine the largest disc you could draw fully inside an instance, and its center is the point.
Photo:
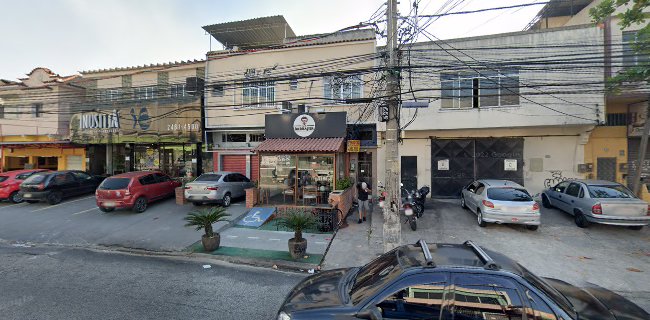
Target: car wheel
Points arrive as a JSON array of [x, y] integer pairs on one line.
[[226, 200], [16, 197], [105, 209], [54, 197], [532, 228], [479, 218], [140, 205], [636, 227], [545, 202], [462, 202], [580, 220], [197, 203]]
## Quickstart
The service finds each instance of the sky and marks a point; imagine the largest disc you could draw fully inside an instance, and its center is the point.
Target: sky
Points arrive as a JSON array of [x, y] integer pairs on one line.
[[68, 36]]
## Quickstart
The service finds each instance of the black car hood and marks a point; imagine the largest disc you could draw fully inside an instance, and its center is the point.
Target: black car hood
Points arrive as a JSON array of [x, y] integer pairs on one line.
[[317, 291], [594, 302]]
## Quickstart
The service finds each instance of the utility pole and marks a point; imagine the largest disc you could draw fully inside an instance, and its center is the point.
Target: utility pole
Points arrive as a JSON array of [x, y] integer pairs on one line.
[[392, 227], [642, 150]]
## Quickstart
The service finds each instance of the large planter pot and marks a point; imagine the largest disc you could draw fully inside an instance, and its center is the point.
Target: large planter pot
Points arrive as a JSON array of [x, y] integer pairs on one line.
[[297, 249], [211, 243], [180, 195]]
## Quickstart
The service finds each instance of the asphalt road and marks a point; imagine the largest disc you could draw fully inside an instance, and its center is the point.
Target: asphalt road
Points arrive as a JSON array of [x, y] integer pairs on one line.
[[56, 283]]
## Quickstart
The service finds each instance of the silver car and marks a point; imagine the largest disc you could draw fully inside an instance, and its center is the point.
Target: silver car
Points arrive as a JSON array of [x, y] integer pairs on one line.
[[217, 187], [598, 201], [501, 201]]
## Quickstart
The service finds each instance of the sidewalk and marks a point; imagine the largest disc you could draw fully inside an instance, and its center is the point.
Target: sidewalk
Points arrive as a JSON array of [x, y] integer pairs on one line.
[[356, 244]]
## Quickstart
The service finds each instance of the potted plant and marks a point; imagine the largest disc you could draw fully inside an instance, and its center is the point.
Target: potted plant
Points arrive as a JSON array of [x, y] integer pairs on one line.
[[203, 219], [297, 220]]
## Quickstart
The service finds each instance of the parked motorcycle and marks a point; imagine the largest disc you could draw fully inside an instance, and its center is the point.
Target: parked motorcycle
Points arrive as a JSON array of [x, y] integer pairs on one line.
[[419, 197], [408, 205]]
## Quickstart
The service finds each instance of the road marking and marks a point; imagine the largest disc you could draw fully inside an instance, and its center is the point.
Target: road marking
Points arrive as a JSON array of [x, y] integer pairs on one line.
[[253, 237], [91, 209], [275, 239], [62, 203], [320, 242], [15, 204], [232, 236]]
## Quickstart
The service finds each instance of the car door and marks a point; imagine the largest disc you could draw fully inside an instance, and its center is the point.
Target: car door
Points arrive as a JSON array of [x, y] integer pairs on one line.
[[148, 183], [556, 194], [164, 185], [468, 191], [229, 184], [86, 182], [570, 197], [67, 184], [413, 297], [477, 196], [483, 296], [245, 184]]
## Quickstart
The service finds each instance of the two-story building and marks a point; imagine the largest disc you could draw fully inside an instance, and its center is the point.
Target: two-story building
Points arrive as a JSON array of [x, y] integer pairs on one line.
[[34, 122], [142, 118], [517, 106], [264, 70]]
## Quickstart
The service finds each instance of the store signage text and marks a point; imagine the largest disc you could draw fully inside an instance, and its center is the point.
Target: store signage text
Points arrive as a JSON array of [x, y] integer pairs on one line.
[[100, 120], [304, 125]]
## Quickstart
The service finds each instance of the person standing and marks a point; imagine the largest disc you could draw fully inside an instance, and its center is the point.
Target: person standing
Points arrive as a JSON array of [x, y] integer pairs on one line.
[[362, 199]]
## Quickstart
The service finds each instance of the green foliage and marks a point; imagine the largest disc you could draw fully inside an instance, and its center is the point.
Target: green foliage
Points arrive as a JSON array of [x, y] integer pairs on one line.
[[297, 220], [342, 184], [633, 15], [204, 218]]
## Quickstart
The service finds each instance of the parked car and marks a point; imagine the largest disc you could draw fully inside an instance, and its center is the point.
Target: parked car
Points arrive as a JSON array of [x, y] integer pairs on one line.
[[598, 201], [217, 187], [134, 190], [54, 186], [500, 201], [448, 281], [10, 183]]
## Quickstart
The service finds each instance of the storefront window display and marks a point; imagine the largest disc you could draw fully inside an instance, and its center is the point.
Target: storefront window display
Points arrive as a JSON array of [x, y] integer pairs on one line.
[[296, 179]]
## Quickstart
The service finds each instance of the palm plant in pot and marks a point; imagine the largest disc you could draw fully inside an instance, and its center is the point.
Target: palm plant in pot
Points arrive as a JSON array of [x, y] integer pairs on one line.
[[297, 220], [203, 219]]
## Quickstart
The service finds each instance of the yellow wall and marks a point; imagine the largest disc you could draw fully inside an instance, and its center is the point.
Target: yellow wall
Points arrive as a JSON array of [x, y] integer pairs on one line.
[[33, 153], [607, 142]]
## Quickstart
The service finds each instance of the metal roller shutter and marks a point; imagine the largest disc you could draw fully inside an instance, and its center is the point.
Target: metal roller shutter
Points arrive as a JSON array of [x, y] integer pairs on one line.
[[233, 163]]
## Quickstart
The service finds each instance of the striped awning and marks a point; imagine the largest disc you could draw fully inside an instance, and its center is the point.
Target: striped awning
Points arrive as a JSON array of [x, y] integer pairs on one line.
[[300, 145]]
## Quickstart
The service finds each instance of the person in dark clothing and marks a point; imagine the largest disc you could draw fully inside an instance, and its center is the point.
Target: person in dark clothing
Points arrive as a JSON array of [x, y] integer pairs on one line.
[[362, 197]]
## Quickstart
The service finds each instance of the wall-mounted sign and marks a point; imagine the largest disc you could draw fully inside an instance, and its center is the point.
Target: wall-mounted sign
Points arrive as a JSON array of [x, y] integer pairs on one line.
[[443, 165], [97, 120], [354, 145], [637, 118], [510, 164], [304, 125]]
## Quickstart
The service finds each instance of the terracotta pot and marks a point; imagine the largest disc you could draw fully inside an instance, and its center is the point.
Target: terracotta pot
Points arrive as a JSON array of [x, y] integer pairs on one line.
[[211, 243], [180, 195], [297, 249]]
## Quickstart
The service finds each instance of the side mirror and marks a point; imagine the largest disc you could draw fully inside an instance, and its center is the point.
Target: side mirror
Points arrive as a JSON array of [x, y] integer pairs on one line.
[[372, 313], [401, 184]]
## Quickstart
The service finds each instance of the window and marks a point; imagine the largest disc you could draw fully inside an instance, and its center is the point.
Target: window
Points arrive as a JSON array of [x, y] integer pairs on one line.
[[37, 110], [538, 310], [209, 177], [62, 179], [613, 191], [256, 137], [115, 184], [632, 42], [480, 188], [177, 90], [472, 90], [161, 177], [233, 137], [560, 187], [23, 176], [508, 194], [341, 88], [81, 175], [258, 95], [148, 179], [375, 275], [293, 84], [2, 112], [422, 301], [243, 178], [573, 190], [616, 119], [484, 297], [109, 95], [229, 178], [217, 90], [144, 93], [17, 112]]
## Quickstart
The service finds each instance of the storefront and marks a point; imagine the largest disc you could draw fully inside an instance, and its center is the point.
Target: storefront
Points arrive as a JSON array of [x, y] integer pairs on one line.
[[302, 158], [41, 155], [149, 136]]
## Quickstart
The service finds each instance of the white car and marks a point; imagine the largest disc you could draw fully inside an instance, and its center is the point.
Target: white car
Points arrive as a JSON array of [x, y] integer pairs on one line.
[[217, 187], [501, 201]]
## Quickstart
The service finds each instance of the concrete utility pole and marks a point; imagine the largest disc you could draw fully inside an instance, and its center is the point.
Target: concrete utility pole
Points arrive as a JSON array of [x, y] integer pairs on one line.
[[392, 226], [642, 150]]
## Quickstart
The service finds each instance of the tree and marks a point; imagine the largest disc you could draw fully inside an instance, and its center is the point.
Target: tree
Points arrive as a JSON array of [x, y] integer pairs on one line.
[[632, 15]]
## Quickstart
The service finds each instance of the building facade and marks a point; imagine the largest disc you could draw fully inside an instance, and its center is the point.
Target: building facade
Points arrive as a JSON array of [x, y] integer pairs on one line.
[[516, 106], [269, 70], [142, 118], [34, 122]]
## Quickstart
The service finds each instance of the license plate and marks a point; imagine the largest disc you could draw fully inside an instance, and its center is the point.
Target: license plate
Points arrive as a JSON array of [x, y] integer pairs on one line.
[[27, 195], [109, 204], [515, 219]]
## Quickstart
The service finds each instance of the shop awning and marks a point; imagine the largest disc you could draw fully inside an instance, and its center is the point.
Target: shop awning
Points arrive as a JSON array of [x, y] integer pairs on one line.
[[296, 145]]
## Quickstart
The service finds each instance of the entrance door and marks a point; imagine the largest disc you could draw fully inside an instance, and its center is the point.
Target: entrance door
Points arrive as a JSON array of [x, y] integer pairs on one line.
[[606, 169], [409, 172], [365, 167], [97, 157]]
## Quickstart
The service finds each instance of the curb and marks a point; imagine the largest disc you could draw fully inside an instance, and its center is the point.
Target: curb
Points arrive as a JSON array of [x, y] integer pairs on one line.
[[232, 222]]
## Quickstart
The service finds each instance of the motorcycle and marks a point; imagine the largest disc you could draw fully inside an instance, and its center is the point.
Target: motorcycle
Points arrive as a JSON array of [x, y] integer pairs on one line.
[[419, 197], [408, 205]]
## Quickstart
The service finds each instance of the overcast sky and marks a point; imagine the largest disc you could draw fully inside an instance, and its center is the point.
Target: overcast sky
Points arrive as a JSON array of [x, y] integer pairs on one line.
[[68, 36]]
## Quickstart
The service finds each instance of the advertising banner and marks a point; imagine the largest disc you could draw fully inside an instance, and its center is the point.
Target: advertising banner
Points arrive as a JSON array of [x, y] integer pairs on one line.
[[306, 125]]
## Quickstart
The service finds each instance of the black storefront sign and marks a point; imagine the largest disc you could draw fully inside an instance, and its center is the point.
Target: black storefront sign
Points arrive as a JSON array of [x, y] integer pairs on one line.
[[306, 125]]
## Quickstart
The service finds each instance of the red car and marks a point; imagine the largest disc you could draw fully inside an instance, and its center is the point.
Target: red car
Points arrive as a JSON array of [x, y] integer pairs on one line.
[[10, 183], [134, 190]]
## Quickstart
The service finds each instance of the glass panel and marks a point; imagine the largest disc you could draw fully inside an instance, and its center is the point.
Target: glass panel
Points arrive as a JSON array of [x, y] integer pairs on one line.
[[466, 93], [115, 183], [510, 89], [447, 93], [278, 179], [315, 178], [508, 194], [489, 92], [614, 191]]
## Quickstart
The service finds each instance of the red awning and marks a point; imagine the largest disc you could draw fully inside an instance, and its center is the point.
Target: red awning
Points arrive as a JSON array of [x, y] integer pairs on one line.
[[301, 145]]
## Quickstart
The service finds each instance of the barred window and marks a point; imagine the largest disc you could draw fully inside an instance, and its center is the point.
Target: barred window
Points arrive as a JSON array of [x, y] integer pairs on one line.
[[177, 90], [341, 88], [144, 93], [258, 95], [473, 90]]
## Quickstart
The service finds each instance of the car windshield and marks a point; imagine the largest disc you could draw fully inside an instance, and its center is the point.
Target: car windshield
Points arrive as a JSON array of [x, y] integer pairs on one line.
[[508, 194], [115, 183], [209, 177], [551, 292], [36, 178], [3, 178], [613, 191], [373, 276]]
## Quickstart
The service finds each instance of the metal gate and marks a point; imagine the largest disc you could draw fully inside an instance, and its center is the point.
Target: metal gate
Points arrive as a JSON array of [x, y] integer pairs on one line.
[[606, 169], [455, 163], [633, 146]]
